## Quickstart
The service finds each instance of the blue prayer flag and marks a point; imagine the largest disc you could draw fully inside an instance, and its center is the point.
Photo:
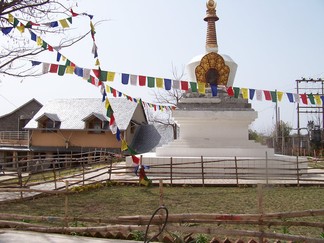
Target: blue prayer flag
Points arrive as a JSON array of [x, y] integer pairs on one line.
[[213, 89], [167, 84], [125, 78]]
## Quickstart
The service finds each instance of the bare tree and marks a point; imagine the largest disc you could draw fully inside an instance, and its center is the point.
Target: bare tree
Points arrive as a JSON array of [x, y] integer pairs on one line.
[[171, 98], [17, 47]]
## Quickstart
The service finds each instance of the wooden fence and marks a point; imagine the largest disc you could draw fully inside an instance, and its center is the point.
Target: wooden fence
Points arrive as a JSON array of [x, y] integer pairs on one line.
[[209, 224], [99, 166]]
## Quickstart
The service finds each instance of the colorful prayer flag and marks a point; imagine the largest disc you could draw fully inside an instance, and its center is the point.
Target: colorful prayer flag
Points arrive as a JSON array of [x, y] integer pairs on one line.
[[133, 80], [142, 80], [214, 90], [245, 93], [230, 91], [267, 94], [201, 88], [184, 85], [64, 23], [125, 78], [150, 82], [110, 76], [251, 93], [193, 86], [167, 84], [159, 83], [124, 145]]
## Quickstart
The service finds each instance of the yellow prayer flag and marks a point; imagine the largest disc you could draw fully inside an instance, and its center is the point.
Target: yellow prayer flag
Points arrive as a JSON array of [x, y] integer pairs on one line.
[[318, 99], [21, 28], [201, 88], [92, 26], [124, 145], [110, 76], [63, 58], [39, 41], [245, 93], [97, 62], [280, 95], [64, 23], [10, 18], [159, 82], [107, 104], [69, 69], [144, 182]]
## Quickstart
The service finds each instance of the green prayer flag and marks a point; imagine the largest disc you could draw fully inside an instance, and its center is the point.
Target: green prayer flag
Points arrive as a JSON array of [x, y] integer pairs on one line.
[[109, 111], [273, 96], [236, 92], [68, 62], [61, 70], [193, 86], [44, 45], [150, 82], [132, 151], [15, 23], [103, 75], [69, 19], [311, 99]]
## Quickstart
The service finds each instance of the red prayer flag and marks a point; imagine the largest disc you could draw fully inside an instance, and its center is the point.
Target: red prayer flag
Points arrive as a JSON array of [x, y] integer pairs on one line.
[[267, 94], [230, 91], [184, 85], [49, 47], [304, 98], [142, 80], [135, 159], [97, 72], [53, 68], [73, 13], [114, 92]]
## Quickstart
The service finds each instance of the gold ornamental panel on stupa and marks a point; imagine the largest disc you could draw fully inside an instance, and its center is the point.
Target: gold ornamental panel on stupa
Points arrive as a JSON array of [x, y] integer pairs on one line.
[[212, 70]]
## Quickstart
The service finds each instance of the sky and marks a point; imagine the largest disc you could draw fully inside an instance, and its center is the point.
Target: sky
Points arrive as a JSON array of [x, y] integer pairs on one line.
[[274, 43]]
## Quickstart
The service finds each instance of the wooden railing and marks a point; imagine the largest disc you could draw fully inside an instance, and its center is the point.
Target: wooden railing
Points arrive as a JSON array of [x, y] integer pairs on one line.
[[14, 138]]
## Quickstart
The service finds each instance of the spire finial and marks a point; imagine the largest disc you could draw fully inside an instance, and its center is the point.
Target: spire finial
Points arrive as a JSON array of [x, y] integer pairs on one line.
[[211, 18]]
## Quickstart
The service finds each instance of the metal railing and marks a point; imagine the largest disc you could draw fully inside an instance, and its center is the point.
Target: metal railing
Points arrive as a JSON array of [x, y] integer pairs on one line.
[[14, 138]]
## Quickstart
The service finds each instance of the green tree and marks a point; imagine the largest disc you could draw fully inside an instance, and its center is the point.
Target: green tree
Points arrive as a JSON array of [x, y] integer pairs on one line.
[[256, 136]]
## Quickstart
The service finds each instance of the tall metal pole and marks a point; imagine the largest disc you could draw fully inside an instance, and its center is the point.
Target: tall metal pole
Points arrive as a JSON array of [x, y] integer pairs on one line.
[[298, 122]]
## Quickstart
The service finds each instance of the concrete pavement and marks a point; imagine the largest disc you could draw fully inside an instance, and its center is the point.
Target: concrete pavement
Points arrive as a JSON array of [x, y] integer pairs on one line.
[[15, 236]]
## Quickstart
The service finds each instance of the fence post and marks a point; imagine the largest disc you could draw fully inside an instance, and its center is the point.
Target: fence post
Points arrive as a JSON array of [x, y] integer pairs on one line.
[[236, 172], [110, 169], [202, 171], [171, 173], [66, 203], [260, 207], [83, 173], [161, 192], [20, 181], [297, 167], [267, 173], [54, 174]]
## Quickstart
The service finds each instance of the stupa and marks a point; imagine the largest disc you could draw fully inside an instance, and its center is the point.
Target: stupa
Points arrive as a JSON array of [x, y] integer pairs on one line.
[[212, 126]]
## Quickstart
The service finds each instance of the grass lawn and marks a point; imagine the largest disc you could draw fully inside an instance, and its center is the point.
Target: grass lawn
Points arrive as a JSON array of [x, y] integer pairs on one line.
[[135, 200]]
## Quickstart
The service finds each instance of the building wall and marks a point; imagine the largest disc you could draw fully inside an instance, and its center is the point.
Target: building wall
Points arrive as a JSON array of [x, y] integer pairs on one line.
[[19, 117], [74, 139], [138, 117]]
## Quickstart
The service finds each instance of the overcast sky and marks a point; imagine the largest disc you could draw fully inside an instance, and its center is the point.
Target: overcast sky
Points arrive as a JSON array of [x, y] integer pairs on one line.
[[274, 42]]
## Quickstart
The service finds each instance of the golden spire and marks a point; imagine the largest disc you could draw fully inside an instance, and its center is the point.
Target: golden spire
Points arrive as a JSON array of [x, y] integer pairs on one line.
[[211, 18]]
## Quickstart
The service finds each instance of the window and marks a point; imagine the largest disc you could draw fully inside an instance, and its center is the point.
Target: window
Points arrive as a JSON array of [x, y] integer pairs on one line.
[[95, 126], [49, 125], [132, 127]]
